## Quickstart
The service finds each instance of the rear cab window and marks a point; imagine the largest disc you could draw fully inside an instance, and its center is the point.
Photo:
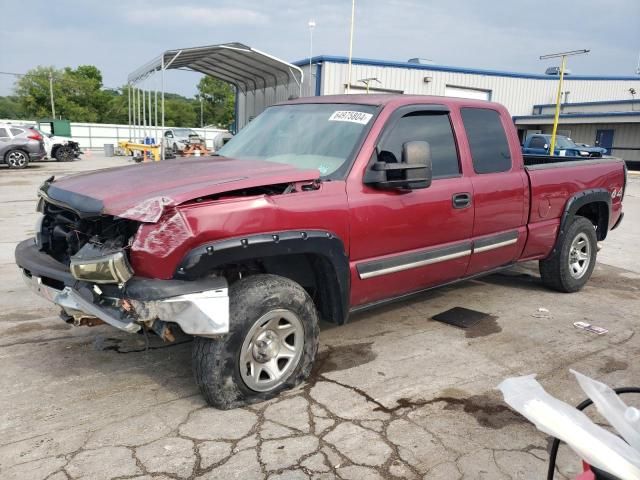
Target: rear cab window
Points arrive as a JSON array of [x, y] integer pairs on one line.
[[427, 126], [487, 140], [537, 142]]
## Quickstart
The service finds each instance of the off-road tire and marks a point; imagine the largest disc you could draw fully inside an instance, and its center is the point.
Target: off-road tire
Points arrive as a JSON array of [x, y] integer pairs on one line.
[[64, 154], [555, 270], [216, 361], [16, 159]]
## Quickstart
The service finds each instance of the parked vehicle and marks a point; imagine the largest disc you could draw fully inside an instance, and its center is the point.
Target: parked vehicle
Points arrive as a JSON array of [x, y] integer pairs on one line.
[[61, 149], [20, 144], [540, 144], [318, 208], [178, 138]]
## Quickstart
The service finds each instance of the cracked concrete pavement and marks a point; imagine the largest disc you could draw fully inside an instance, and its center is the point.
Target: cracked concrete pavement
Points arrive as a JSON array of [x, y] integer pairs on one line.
[[393, 395]]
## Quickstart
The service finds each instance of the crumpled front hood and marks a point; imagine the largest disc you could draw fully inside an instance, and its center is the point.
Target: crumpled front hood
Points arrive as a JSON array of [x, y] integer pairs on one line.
[[141, 192]]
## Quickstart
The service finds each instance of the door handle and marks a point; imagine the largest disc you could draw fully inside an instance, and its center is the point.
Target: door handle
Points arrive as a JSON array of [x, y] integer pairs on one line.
[[461, 200]]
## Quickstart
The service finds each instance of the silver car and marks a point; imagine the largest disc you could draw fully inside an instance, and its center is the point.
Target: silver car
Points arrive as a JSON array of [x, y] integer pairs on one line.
[[178, 138], [19, 144]]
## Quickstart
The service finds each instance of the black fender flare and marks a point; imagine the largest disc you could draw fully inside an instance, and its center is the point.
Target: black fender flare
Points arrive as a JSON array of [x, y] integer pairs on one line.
[[201, 260], [579, 200]]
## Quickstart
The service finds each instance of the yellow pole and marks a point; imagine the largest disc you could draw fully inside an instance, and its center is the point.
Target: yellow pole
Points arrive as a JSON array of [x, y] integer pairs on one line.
[[557, 115], [353, 13]]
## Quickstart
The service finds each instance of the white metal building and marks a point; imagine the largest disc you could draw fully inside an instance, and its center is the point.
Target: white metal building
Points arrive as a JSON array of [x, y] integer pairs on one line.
[[523, 94], [614, 125]]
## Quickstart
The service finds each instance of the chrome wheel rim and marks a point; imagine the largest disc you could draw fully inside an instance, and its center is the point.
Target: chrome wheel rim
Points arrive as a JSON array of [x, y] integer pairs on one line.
[[579, 256], [271, 350], [17, 159]]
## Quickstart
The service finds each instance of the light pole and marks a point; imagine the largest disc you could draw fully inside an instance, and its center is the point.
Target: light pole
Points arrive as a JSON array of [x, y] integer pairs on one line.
[[563, 64], [353, 15], [53, 107], [367, 82], [201, 113], [312, 25]]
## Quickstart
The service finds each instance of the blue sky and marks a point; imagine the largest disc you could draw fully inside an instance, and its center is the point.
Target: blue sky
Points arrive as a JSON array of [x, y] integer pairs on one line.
[[118, 36]]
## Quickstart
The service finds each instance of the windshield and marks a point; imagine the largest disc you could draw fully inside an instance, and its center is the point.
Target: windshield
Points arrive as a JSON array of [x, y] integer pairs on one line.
[[183, 132], [315, 136], [565, 142]]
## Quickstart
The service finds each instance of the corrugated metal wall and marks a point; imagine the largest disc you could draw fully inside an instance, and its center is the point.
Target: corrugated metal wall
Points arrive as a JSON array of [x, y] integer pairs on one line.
[[625, 135], [517, 94]]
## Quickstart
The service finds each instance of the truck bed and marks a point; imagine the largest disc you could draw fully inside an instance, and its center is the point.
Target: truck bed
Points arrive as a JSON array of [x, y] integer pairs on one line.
[[554, 180], [531, 160]]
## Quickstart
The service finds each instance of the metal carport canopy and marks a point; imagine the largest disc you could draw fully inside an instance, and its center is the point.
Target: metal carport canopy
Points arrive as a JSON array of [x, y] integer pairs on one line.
[[235, 63]]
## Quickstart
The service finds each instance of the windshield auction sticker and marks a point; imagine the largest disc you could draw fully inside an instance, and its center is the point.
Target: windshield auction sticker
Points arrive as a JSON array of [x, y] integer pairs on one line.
[[350, 116]]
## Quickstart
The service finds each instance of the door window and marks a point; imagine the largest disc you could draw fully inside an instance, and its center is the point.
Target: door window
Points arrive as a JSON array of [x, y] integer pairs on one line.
[[487, 140], [427, 127], [16, 131], [4, 133]]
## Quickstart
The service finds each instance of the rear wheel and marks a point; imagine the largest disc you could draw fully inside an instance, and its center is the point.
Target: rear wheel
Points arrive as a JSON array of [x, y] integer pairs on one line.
[[271, 344], [16, 159], [570, 267]]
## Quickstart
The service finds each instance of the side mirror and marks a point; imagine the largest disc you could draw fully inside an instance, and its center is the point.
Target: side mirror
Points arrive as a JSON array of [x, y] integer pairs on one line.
[[168, 135], [413, 172], [546, 145]]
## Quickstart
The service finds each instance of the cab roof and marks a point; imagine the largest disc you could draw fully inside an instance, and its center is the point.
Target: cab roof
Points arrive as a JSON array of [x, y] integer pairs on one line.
[[395, 99]]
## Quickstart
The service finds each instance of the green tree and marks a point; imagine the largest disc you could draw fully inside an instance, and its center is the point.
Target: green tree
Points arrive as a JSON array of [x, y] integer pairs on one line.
[[219, 101], [179, 111], [77, 93], [10, 108]]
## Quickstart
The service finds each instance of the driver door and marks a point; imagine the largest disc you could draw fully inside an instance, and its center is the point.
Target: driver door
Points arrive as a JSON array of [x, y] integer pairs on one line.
[[406, 240]]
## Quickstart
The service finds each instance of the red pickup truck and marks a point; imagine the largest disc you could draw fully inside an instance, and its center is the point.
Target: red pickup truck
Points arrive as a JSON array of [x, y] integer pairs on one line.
[[319, 207]]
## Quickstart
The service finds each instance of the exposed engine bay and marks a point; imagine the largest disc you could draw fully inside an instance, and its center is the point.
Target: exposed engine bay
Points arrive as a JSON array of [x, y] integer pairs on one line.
[[63, 234]]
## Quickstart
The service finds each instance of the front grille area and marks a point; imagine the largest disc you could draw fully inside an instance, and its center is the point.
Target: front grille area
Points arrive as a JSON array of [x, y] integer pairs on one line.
[[64, 232]]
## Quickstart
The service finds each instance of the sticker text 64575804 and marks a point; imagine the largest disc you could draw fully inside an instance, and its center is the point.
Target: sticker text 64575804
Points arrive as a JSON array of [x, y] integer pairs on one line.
[[350, 116]]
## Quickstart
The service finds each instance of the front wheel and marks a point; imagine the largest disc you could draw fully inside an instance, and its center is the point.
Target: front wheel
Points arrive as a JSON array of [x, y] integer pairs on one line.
[[570, 267], [271, 344], [64, 154]]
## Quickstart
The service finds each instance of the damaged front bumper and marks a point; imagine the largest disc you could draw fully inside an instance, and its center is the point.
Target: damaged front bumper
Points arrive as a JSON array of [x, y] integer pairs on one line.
[[200, 307]]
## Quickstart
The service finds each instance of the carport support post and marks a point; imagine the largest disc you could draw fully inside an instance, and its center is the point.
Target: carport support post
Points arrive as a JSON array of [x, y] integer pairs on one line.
[[139, 116], [133, 112], [129, 107], [150, 116], [162, 106], [144, 115], [156, 113]]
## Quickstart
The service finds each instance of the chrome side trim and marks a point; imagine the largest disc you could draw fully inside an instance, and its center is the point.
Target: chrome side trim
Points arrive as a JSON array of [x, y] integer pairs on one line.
[[410, 265], [495, 245]]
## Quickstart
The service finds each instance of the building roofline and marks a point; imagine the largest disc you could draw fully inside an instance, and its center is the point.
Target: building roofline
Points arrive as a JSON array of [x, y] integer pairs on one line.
[[576, 115], [582, 104], [444, 68]]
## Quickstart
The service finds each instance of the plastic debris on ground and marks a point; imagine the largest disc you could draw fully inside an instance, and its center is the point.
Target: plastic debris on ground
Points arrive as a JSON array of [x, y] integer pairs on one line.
[[590, 328], [542, 313], [594, 444]]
